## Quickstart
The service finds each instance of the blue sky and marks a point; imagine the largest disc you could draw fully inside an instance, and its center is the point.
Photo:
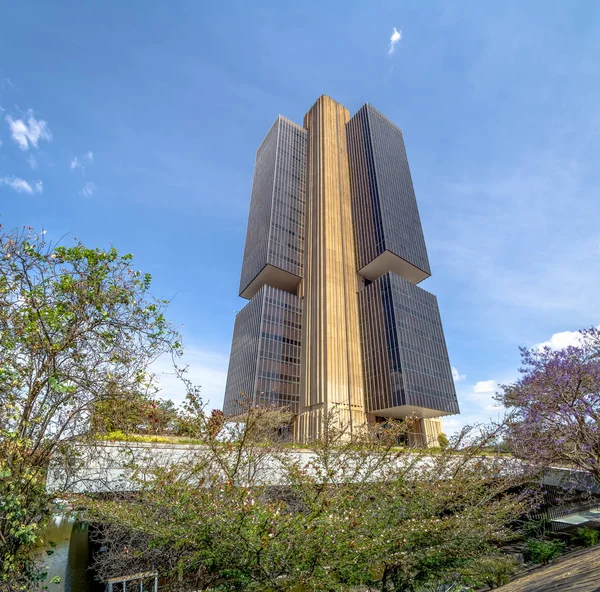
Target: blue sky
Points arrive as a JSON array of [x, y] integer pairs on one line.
[[135, 124]]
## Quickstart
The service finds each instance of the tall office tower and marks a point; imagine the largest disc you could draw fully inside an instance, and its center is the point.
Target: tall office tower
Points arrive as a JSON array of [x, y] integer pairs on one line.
[[334, 252]]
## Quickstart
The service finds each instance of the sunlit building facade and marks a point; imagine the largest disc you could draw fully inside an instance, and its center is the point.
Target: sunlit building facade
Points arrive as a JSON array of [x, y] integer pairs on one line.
[[334, 252]]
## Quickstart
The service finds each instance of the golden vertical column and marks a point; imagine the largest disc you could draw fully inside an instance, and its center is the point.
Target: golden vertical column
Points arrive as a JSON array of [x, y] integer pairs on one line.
[[331, 362]]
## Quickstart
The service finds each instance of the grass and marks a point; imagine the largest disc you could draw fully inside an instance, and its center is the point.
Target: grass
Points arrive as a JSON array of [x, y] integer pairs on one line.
[[119, 436]]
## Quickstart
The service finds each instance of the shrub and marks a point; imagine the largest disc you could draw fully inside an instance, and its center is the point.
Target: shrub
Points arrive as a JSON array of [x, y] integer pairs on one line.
[[491, 571], [443, 441], [535, 528], [329, 524], [537, 551], [588, 537], [119, 436]]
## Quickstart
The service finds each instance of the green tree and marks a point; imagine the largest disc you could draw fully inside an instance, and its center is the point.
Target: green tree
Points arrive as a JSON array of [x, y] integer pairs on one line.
[[77, 325], [134, 413]]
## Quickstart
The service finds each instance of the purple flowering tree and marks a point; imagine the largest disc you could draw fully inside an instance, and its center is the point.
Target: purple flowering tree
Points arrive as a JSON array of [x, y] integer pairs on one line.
[[554, 408]]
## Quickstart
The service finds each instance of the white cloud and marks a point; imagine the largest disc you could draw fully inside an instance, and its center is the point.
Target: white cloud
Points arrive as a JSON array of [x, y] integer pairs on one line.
[[19, 185], [22, 186], [561, 340], [482, 394], [88, 189], [485, 386], [75, 163], [394, 39], [477, 405], [90, 156], [32, 161], [452, 425], [456, 375], [28, 133]]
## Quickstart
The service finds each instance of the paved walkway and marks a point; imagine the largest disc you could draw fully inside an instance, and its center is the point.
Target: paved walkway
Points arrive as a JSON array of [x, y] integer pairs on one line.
[[578, 572]]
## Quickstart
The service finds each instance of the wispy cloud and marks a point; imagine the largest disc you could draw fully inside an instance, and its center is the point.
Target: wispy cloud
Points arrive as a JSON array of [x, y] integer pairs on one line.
[[22, 186], [456, 375], [394, 40], [206, 368], [88, 189], [32, 161], [523, 241], [29, 131], [78, 162]]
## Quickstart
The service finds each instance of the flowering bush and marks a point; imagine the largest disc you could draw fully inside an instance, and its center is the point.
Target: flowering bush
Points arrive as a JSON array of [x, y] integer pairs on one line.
[[555, 406], [342, 515]]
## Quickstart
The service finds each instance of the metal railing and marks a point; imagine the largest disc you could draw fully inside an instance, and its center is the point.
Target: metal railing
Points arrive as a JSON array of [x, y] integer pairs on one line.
[[119, 584]]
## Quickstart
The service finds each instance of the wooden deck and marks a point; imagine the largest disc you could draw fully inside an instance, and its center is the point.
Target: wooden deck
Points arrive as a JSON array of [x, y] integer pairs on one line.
[[578, 572]]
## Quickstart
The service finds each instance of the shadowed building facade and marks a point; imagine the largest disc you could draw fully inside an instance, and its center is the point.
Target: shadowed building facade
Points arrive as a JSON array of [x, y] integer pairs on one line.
[[333, 253]]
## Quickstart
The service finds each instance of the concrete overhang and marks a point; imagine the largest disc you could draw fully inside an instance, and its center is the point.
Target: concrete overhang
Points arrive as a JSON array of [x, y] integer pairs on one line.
[[272, 276], [389, 261], [409, 411]]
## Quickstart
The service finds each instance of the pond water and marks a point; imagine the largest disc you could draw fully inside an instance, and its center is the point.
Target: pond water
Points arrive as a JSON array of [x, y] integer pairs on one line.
[[72, 556]]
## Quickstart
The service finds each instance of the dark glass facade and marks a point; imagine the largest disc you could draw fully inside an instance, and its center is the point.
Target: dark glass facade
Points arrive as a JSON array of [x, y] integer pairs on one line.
[[383, 199], [334, 250], [264, 367], [404, 351], [275, 235]]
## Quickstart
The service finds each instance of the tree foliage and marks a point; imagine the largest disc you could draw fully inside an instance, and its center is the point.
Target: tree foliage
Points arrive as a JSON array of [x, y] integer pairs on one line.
[[555, 406], [443, 440], [136, 413], [246, 512], [77, 325]]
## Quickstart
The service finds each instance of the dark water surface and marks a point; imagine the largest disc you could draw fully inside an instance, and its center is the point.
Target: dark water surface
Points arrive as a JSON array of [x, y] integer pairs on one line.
[[72, 556]]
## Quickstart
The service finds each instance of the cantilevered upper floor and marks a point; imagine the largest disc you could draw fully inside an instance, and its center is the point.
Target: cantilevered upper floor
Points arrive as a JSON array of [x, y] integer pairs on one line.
[[388, 232], [274, 249], [406, 366]]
